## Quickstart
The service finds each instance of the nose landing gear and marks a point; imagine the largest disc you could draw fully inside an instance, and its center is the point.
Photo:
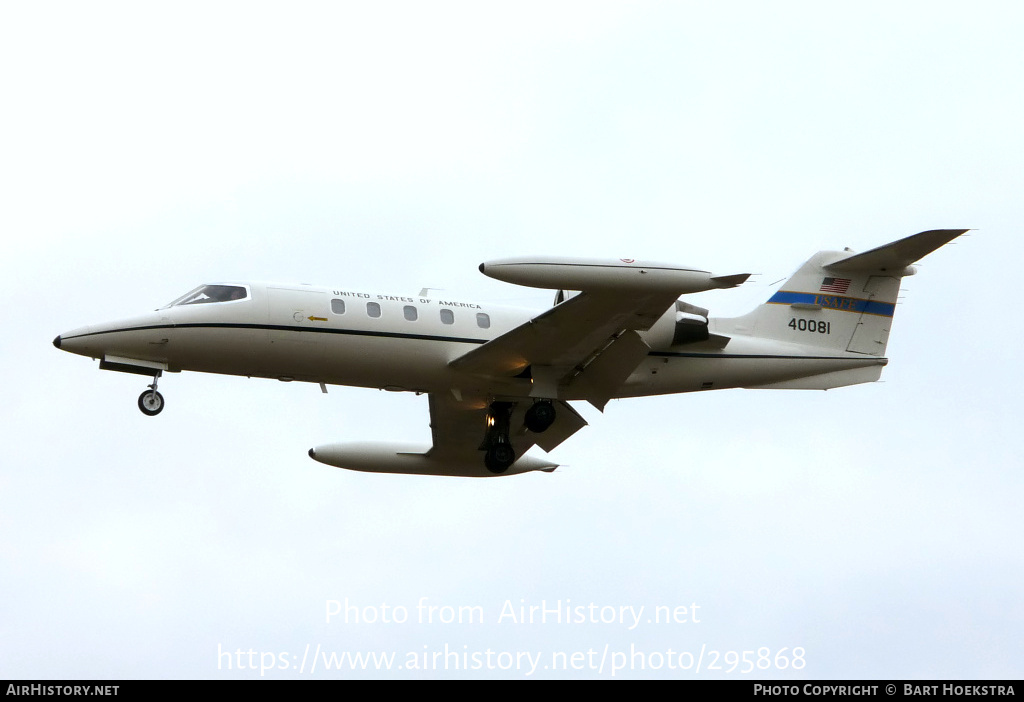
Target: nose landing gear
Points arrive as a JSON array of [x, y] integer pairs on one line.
[[150, 401]]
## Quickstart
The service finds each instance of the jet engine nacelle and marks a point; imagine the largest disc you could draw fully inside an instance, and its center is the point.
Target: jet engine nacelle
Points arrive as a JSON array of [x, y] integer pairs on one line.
[[691, 323], [412, 459], [591, 274]]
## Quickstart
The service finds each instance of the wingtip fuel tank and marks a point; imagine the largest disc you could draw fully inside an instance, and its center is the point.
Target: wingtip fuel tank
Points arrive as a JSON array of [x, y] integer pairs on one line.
[[559, 273], [376, 457]]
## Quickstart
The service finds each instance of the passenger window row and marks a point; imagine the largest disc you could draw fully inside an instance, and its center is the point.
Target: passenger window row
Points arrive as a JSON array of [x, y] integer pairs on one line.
[[411, 313]]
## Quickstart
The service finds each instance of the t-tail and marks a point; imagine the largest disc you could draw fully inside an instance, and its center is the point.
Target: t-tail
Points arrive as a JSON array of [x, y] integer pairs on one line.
[[841, 302]]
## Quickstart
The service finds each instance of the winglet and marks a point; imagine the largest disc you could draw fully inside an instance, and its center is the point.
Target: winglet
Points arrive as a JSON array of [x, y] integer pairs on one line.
[[898, 255]]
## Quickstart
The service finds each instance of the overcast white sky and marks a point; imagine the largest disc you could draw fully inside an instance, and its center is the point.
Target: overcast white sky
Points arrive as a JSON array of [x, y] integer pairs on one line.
[[390, 145]]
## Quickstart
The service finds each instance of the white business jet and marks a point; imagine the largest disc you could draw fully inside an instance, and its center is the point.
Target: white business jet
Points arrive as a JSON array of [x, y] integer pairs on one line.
[[499, 380]]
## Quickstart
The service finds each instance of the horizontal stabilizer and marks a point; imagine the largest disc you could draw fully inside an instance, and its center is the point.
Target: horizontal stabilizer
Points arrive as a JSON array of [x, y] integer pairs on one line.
[[898, 255]]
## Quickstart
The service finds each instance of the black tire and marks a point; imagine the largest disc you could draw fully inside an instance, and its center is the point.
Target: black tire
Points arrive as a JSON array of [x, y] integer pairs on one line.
[[539, 417], [151, 403], [499, 457]]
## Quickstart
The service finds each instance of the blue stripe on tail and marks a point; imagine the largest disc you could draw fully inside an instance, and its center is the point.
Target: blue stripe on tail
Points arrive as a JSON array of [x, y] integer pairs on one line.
[[834, 302]]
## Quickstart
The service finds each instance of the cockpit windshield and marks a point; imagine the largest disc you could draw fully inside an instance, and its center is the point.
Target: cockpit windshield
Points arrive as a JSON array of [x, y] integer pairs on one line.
[[211, 293]]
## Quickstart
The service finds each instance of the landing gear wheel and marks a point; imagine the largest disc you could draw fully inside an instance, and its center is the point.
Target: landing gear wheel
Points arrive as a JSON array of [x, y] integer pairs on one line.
[[540, 416], [499, 457], [151, 402]]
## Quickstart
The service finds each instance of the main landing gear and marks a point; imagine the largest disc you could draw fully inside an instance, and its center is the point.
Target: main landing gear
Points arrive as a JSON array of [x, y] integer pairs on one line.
[[540, 416], [499, 454], [151, 402]]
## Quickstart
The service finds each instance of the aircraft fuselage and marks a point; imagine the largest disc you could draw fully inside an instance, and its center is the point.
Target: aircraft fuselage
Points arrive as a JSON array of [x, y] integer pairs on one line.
[[396, 342]]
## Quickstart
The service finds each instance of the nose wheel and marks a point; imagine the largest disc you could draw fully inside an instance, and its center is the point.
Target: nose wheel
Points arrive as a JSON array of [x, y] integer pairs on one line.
[[151, 402]]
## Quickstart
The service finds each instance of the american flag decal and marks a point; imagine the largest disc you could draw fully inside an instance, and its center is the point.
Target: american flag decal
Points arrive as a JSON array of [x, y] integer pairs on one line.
[[835, 285]]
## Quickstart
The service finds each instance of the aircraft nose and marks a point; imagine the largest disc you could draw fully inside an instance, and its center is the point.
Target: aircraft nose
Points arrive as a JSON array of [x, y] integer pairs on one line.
[[74, 341]]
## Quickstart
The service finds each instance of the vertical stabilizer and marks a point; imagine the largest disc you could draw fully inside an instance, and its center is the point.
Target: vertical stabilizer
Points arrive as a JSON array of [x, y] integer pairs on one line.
[[840, 301]]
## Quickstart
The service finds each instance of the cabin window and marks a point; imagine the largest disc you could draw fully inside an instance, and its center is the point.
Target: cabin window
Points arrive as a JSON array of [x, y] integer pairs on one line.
[[410, 313], [447, 316], [483, 320], [338, 306], [373, 309]]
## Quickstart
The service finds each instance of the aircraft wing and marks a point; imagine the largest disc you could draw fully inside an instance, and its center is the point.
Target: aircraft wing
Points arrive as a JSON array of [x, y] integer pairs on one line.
[[459, 428], [584, 347]]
